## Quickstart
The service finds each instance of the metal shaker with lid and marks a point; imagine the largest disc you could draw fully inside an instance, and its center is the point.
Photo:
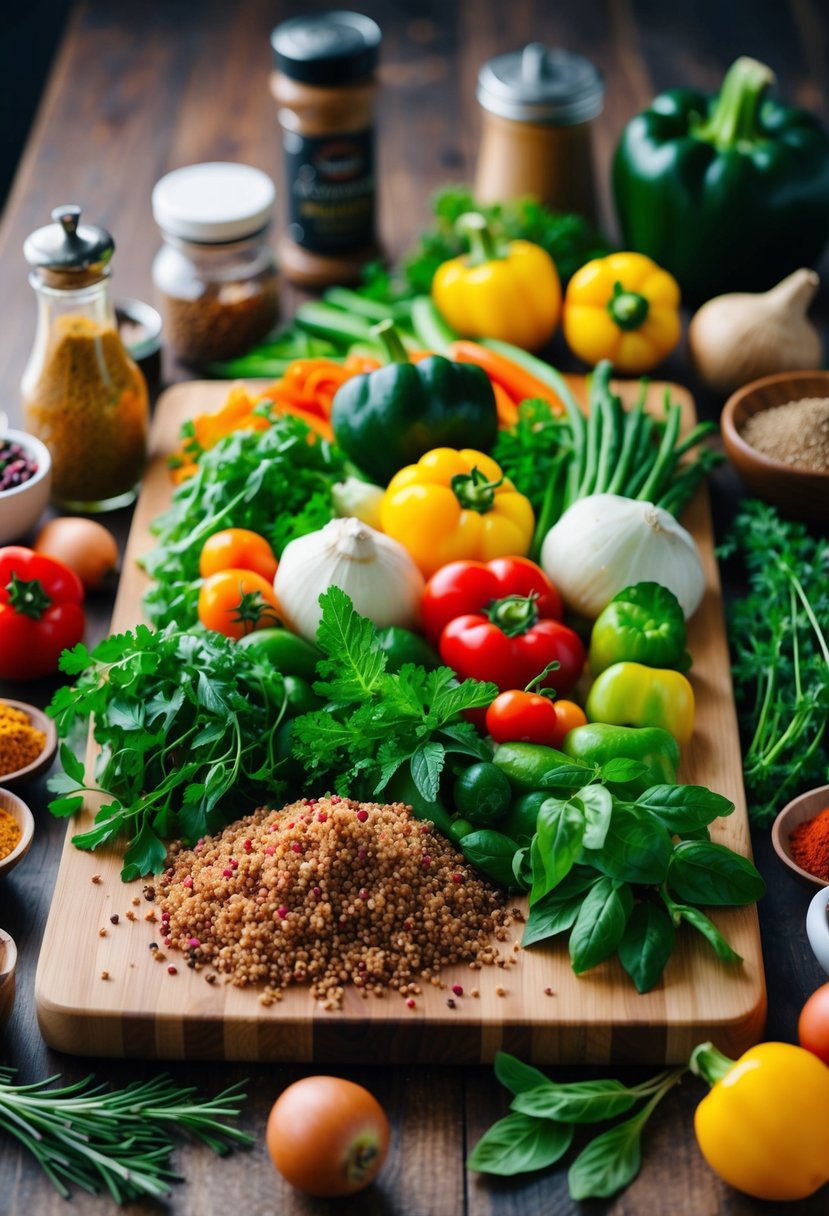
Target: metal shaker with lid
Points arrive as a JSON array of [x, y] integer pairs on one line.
[[538, 104]]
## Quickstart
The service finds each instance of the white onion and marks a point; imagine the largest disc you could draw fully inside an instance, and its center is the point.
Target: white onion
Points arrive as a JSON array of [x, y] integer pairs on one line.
[[605, 543], [375, 571]]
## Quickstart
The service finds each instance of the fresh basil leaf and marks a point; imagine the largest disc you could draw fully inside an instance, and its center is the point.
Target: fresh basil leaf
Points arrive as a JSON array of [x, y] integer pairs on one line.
[[621, 771], [549, 917], [522, 870], [492, 853], [704, 925], [516, 1076], [635, 848], [564, 778], [598, 807], [646, 944], [427, 765], [684, 808], [702, 872], [519, 1143], [608, 1163], [556, 844], [600, 924], [577, 1102]]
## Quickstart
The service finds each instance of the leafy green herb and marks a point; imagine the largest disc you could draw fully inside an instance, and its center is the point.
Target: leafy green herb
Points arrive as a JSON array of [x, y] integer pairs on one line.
[[186, 724], [120, 1140], [620, 877], [780, 656], [378, 721], [568, 239], [491, 853], [540, 1127], [274, 482]]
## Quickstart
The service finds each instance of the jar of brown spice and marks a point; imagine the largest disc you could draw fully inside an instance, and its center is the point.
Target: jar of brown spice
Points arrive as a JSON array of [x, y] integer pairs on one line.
[[215, 271], [324, 87], [83, 395]]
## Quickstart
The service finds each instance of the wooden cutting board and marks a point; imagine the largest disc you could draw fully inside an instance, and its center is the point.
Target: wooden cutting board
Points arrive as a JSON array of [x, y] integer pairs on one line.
[[546, 1014]]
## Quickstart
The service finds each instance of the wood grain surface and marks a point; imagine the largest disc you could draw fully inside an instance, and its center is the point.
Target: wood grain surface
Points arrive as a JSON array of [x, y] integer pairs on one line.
[[596, 1018], [138, 89]]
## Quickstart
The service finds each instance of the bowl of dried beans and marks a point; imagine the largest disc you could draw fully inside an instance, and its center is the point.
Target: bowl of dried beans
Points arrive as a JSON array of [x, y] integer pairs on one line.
[[25, 482], [776, 434], [28, 741]]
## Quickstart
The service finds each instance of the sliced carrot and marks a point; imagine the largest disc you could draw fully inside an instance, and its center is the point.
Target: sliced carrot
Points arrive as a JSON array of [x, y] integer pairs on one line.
[[507, 409], [519, 384]]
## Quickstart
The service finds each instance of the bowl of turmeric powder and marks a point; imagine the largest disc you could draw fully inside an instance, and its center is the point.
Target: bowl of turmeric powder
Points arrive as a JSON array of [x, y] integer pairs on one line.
[[800, 835], [28, 741], [17, 827]]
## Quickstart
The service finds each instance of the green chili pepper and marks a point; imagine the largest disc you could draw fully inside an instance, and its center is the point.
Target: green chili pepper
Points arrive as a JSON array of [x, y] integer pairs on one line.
[[630, 694], [600, 743], [642, 624], [728, 192], [391, 417]]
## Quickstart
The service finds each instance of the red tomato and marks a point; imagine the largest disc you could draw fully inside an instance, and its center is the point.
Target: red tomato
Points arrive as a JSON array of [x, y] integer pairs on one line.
[[476, 648], [529, 717], [813, 1024], [237, 549], [40, 613], [464, 587], [327, 1136], [235, 602]]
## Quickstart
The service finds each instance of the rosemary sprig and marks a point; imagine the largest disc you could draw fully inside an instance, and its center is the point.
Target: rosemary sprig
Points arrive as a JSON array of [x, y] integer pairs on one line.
[[89, 1136]]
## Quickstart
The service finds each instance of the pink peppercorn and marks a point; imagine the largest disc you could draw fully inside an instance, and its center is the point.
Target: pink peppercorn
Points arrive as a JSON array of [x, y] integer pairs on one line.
[[165, 916], [188, 882], [363, 893], [172, 970], [457, 878], [457, 989], [411, 1002], [228, 873], [426, 862], [322, 817], [296, 846], [247, 846], [270, 850], [194, 943], [316, 892], [234, 865], [168, 941], [362, 816], [282, 912], [362, 854]]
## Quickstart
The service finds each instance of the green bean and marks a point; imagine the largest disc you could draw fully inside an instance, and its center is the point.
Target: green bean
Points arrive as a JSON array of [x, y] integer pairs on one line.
[[665, 458], [633, 421]]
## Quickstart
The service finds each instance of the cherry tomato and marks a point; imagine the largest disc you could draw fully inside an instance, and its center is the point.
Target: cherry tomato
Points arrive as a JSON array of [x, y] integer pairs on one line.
[[521, 716], [327, 1136], [813, 1024], [476, 648], [568, 716], [237, 549], [463, 587], [235, 602]]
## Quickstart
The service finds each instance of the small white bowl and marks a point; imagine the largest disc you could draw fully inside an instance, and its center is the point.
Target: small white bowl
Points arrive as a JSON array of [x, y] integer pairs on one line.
[[17, 808], [22, 507], [817, 927]]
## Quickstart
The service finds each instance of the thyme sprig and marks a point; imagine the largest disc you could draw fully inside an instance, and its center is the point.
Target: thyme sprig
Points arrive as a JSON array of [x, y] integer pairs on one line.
[[93, 1137]]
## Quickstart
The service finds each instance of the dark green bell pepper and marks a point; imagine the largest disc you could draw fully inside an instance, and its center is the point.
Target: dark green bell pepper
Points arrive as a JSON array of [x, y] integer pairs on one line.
[[599, 743], [391, 417], [403, 646], [641, 624], [729, 192]]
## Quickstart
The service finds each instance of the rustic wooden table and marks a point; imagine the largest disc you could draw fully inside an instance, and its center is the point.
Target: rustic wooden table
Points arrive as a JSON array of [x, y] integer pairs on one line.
[[139, 89]]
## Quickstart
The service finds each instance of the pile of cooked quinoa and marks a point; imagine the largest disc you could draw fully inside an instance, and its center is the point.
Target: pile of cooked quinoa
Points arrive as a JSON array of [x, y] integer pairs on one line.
[[330, 892]]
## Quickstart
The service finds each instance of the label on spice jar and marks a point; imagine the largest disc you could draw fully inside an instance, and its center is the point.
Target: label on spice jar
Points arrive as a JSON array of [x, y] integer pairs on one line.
[[331, 188]]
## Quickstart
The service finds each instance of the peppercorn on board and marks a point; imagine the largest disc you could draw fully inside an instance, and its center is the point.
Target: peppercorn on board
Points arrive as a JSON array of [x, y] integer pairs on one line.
[[101, 991]]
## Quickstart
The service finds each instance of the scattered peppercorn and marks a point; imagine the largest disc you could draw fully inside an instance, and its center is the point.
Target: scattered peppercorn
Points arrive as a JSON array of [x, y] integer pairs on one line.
[[96, 878], [355, 904], [115, 918]]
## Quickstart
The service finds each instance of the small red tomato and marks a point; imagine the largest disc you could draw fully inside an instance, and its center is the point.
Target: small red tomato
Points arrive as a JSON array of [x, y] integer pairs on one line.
[[813, 1024], [525, 717], [238, 549], [327, 1136]]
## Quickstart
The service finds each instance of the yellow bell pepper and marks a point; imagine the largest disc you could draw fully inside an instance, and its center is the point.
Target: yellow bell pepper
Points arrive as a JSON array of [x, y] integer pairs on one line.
[[631, 694], [514, 295], [623, 308], [455, 505], [764, 1127]]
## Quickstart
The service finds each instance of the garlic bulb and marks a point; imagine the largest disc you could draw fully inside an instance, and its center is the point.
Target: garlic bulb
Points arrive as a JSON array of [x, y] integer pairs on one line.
[[605, 543], [358, 498], [375, 571], [744, 335]]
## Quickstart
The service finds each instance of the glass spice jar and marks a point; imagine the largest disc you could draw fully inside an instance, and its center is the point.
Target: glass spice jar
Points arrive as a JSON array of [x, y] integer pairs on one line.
[[536, 140], [215, 271], [83, 395], [324, 86]]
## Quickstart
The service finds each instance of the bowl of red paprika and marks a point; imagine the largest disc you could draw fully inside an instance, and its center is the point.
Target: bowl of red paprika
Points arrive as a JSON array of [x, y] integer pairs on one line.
[[800, 836]]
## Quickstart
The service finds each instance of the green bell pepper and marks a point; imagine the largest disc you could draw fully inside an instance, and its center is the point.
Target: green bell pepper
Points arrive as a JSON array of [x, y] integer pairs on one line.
[[630, 694], [391, 417], [403, 646], [729, 192], [289, 653], [600, 742], [642, 624]]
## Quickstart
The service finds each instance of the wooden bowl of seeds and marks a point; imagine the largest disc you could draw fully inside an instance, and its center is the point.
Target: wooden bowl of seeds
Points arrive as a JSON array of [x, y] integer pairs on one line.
[[776, 434], [32, 738]]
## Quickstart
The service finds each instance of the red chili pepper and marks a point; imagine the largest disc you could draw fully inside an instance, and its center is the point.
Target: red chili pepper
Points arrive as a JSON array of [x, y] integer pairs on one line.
[[40, 613]]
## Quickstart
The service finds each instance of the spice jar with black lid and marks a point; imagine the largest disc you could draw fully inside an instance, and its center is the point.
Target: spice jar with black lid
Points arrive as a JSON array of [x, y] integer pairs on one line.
[[83, 396], [216, 272], [324, 86]]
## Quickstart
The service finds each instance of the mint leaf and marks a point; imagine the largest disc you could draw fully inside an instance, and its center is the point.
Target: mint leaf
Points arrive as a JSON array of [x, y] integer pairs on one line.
[[516, 1076], [608, 1163]]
